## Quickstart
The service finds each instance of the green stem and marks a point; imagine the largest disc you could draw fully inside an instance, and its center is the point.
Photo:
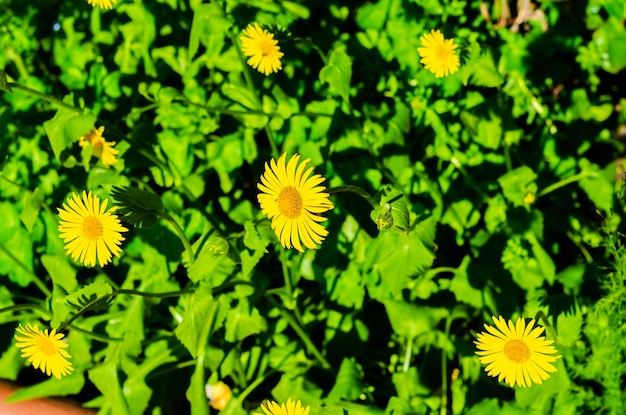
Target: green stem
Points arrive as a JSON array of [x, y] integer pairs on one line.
[[565, 182], [444, 372], [541, 316], [309, 42], [302, 334], [255, 92], [114, 293], [357, 190], [21, 307], [43, 96], [98, 337], [42, 287], [407, 355], [180, 233]]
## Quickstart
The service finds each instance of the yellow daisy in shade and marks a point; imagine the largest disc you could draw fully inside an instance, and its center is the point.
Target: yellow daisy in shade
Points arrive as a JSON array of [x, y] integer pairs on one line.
[[103, 4], [292, 408], [89, 230], [218, 394], [518, 353], [438, 55], [262, 48], [293, 201], [101, 148], [46, 351]]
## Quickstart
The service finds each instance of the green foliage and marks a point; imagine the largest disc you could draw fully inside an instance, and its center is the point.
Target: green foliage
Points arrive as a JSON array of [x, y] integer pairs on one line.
[[498, 191]]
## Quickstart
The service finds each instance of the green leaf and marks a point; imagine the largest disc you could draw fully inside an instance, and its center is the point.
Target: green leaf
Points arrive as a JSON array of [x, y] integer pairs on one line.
[[212, 265], [337, 73], [484, 71], [617, 52], [105, 377], [518, 184], [95, 295], [410, 320], [32, 203], [138, 207], [253, 240], [67, 385], [193, 329], [241, 322], [66, 128], [60, 270], [598, 184], [394, 257], [373, 15], [349, 382], [392, 212], [208, 24], [4, 83]]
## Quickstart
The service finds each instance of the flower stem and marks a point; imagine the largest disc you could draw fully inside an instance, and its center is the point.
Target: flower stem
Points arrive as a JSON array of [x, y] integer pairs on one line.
[[357, 190], [255, 92], [180, 233], [565, 182], [301, 333], [45, 97]]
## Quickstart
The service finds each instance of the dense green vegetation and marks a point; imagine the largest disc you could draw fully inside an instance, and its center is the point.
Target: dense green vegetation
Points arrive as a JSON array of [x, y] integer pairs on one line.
[[495, 191]]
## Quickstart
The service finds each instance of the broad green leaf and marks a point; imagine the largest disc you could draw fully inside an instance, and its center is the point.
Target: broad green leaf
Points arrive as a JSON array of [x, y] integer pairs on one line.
[[94, 295], [242, 322], [392, 213], [212, 265], [105, 377], [66, 127], [338, 73], [67, 385], [569, 327], [348, 383], [138, 207], [32, 202], [196, 393], [193, 329], [373, 15], [518, 184], [484, 72], [410, 320], [598, 184], [60, 270], [617, 51]]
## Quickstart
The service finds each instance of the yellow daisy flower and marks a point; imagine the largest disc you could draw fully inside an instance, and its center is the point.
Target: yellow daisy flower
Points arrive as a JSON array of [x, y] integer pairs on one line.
[[44, 350], [292, 201], [218, 394], [101, 148], [89, 230], [103, 4], [438, 54], [262, 48], [292, 408], [518, 353]]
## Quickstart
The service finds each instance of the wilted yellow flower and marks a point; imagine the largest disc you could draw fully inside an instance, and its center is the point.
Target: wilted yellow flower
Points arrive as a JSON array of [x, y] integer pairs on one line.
[[518, 353], [103, 4], [44, 350], [292, 408], [293, 201], [262, 48], [101, 148], [218, 394], [89, 230], [438, 54]]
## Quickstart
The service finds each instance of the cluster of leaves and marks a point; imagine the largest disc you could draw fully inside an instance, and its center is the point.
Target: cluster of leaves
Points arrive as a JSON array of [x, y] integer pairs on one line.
[[495, 188]]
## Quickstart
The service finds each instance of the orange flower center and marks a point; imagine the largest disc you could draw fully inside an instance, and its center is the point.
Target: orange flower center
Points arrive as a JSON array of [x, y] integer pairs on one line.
[[290, 202], [442, 52], [266, 47], [45, 346], [92, 227], [517, 351]]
